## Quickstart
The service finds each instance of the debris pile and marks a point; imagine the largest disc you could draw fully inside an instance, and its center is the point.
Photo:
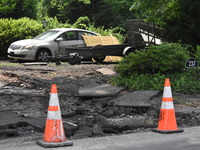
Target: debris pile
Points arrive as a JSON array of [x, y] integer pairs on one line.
[[89, 105]]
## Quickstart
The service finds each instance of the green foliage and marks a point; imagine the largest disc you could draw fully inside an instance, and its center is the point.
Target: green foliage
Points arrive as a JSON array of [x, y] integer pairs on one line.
[[147, 69], [197, 54], [107, 13], [186, 82], [54, 23], [85, 23], [62, 9], [85, 1], [6, 8], [140, 81], [18, 8], [156, 10], [184, 27], [165, 58], [12, 30], [112, 13], [82, 23], [177, 17]]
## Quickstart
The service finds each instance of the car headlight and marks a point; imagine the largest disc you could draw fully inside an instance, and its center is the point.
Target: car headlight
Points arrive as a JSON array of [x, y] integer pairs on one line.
[[30, 46]]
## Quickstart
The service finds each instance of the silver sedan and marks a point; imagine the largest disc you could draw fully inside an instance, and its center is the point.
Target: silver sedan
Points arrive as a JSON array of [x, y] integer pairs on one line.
[[50, 43]]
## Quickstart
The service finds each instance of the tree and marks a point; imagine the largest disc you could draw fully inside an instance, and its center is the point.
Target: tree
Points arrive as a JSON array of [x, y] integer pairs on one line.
[[18, 8], [156, 10], [61, 9], [113, 13], [185, 26], [107, 13], [179, 18], [6, 8]]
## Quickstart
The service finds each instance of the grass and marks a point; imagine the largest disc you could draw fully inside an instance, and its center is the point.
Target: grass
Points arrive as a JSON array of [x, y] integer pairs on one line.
[[9, 64]]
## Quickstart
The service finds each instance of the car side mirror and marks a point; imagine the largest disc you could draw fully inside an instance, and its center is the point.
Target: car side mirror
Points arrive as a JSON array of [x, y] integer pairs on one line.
[[59, 39]]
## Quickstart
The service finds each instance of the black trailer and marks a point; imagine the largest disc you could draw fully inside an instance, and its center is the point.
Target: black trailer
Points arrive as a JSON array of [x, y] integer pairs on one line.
[[98, 52]]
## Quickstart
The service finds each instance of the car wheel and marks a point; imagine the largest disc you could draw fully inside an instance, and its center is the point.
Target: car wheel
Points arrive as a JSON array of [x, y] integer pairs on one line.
[[99, 59], [42, 55]]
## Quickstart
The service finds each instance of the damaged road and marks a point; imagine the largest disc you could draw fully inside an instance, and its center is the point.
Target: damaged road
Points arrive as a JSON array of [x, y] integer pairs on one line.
[[90, 107]]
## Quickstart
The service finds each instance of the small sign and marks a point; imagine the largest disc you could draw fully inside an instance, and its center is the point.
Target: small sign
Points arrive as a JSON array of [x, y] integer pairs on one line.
[[191, 63]]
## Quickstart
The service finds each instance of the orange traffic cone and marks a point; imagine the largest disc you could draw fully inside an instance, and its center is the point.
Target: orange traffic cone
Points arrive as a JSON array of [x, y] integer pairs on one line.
[[167, 120], [54, 135]]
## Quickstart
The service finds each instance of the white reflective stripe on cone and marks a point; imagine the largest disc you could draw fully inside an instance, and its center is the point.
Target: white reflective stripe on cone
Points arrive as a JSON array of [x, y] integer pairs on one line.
[[54, 115], [167, 92], [54, 101], [167, 105]]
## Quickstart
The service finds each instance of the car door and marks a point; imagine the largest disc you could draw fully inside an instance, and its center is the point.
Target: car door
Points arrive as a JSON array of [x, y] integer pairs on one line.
[[69, 40], [72, 39]]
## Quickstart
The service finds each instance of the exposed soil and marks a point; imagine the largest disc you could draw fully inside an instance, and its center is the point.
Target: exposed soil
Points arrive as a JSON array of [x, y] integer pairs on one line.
[[86, 113]]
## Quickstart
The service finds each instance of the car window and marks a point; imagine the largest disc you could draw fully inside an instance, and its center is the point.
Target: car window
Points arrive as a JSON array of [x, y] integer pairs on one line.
[[80, 34], [46, 35], [69, 36]]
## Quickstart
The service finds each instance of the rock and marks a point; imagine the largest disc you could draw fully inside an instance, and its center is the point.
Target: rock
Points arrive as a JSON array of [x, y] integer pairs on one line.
[[70, 128], [9, 132], [83, 132], [106, 71], [103, 90], [187, 110], [99, 119], [126, 123], [96, 130], [108, 113], [89, 120], [38, 123], [23, 130], [9, 118], [81, 110], [13, 120], [66, 114], [21, 91], [153, 113], [136, 99]]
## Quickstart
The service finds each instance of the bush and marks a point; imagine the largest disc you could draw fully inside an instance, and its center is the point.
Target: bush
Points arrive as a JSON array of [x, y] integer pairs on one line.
[[186, 82], [197, 54], [166, 58], [147, 70], [53, 23], [140, 81], [12, 30]]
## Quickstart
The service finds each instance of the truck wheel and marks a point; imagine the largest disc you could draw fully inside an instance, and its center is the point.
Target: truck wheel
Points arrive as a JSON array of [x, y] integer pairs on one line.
[[128, 50], [99, 59]]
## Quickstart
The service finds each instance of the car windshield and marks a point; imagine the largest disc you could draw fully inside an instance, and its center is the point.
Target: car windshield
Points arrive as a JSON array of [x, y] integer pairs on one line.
[[48, 35]]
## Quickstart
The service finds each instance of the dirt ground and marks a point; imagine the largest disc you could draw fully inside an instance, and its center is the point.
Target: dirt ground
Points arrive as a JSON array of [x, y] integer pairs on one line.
[[69, 79]]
